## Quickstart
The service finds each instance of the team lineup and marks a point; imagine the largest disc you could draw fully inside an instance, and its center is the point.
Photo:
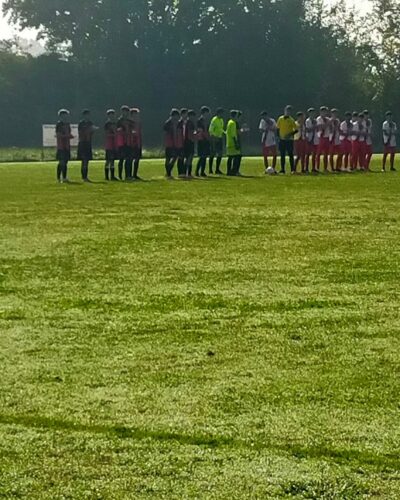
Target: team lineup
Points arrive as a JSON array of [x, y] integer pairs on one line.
[[312, 142]]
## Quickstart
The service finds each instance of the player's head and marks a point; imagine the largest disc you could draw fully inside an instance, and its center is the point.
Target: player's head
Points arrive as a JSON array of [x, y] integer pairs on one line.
[[366, 113], [288, 110], [86, 114], [205, 111], [63, 115], [347, 116], [220, 112], [360, 117], [264, 114], [311, 112], [300, 116], [355, 115], [125, 111], [135, 113], [191, 114], [323, 111], [233, 113], [184, 113], [389, 116], [111, 114], [334, 113], [175, 114]]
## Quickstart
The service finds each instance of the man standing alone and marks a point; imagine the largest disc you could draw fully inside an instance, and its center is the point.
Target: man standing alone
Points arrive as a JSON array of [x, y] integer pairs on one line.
[[286, 131]]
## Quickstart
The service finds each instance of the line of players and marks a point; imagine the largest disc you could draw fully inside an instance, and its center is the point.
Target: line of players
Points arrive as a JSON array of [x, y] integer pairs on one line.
[[343, 146]]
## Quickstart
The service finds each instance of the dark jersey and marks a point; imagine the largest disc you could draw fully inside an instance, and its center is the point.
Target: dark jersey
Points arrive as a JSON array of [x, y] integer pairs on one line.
[[63, 133], [85, 130]]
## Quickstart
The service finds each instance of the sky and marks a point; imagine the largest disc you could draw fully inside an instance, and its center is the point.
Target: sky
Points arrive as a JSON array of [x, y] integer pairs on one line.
[[7, 30]]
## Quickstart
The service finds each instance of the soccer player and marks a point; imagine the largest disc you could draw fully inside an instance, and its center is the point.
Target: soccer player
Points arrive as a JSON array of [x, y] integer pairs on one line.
[[172, 142], [181, 129], [346, 131], [217, 131], [358, 143], [64, 136], [287, 129], [368, 140], [189, 142], [323, 131], [268, 130], [334, 141], [123, 127], [300, 141], [203, 144], [389, 130], [312, 141], [110, 129], [86, 130], [137, 143], [233, 145]]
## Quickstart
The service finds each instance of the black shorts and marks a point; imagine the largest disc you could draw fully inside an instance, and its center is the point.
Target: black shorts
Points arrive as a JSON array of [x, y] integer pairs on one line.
[[171, 153], [188, 149], [85, 152], [111, 155], [217, 146], [125, 153], [137, 153], [203, 148], [63, 155]]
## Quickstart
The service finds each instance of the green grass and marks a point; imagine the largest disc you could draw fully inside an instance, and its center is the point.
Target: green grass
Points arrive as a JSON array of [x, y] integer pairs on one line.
[[113, 298]]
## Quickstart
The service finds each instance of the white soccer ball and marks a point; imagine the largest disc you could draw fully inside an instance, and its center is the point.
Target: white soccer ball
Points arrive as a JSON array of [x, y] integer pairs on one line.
[[270, 171]]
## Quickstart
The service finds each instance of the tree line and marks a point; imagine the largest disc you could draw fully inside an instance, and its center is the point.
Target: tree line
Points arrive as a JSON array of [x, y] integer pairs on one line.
[[155, 54]]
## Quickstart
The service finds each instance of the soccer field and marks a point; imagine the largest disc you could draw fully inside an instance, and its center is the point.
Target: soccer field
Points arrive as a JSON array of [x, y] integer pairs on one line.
[[217, 339]]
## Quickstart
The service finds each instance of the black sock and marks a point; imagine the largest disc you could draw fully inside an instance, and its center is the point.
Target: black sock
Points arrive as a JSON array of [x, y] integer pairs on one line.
[[120, 168], [64, 170], [59, 171], [136, 168], [219, 161]]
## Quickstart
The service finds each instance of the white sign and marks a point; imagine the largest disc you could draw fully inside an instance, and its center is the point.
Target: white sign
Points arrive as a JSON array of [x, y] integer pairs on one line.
[[50, 139]]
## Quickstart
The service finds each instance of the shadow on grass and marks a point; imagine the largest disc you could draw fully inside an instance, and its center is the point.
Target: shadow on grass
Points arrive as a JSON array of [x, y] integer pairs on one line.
[[381, 462], [122, 432]]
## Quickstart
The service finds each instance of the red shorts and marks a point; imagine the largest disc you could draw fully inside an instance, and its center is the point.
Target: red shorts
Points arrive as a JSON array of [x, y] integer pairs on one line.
[[312, 148], [324, 146], [335, 149], [269, 151], [301, 147], [346, 147], [389, 150], [368, 149]]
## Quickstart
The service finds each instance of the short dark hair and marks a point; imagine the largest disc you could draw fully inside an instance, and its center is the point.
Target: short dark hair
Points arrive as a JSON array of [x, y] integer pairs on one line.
[[300, 113], [360, 115], [191, 112], [125, 108], [175, 112], [388, 113], [110, 111], [334, 110], [86, 112], [234, 113], [366, 112], [204, 109], [264, 113], [348, 113], [323, 108], [63, 112], [184, 111], [311, 110]]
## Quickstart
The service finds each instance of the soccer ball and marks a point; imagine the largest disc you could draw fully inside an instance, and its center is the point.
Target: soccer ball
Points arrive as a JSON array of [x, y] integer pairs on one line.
[[270, 171]]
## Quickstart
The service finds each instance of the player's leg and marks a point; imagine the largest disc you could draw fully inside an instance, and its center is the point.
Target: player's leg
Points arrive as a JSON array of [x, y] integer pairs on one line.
[[290, 152], [392, 160], [229, 165], [282, 150]]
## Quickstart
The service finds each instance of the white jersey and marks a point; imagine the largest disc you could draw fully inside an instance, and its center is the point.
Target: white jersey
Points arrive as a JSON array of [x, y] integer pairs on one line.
[[368, 126], [359, 132], [268, 129], [301, 133], [311, 133], [334, 135], [346, 130], [389, 134], [324, 128]]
